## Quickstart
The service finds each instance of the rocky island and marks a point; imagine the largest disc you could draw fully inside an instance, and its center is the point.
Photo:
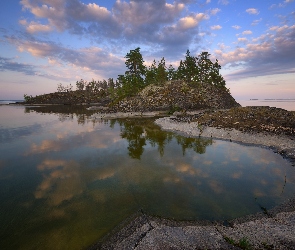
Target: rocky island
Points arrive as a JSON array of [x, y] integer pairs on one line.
[[194, 102]]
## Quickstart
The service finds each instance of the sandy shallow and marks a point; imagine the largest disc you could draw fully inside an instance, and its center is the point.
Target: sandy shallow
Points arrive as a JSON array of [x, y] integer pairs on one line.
[[272, 230]]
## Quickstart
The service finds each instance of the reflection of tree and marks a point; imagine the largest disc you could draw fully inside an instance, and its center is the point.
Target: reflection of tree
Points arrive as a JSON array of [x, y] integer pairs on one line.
[[197, 144], [134, 134], [158, 137], [138, 131]]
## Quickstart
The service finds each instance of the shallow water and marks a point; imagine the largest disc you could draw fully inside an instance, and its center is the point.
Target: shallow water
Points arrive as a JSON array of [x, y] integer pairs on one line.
[[66, 179]]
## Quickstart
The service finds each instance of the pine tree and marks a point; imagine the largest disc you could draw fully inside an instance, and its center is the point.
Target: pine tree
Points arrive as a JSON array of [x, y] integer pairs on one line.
[[161, 72]]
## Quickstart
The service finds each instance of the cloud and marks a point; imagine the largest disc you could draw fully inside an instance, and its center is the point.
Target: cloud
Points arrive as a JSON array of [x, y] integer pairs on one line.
[[252, 11], [242, 39], [34, 27], [88, 58], [7, 64], [216, 27], [214, 11], [127, 22], [237, 27], [281, 5], [223, 2], [256, 22], [247, 32], [271, 53], [124, 19]]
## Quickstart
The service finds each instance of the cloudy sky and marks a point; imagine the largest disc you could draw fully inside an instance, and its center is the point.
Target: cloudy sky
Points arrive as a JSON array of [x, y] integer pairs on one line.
[[46, 42]]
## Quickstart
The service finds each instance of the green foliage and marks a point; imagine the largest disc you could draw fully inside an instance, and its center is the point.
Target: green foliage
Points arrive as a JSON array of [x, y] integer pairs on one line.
[[156, 74], [189, 68], [172, 73], [151, 74], [134, 63], [27, 98]]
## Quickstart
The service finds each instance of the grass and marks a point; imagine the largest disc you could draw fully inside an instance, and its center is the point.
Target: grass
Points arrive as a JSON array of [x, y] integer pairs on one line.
[[243, 243]]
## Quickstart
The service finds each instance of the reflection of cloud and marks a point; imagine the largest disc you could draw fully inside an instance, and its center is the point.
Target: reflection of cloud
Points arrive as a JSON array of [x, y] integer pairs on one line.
[[45, 146], [237, 175], [185, 168], [62, 183], [277, 171], [172, 179], [216, 186], [68, 141], [106, 173], [233, 155], [207, 162], [258, 193]]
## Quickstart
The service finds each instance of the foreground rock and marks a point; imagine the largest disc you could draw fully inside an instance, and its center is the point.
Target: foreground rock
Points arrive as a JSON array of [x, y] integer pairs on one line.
[[274, 230]]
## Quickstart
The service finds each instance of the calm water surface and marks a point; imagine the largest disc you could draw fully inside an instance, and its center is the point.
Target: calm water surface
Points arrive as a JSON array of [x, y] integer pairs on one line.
[[66, 180]]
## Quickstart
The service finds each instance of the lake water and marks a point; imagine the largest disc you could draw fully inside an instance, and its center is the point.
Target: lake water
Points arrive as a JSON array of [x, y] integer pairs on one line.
[[287, 104], [66, 179]]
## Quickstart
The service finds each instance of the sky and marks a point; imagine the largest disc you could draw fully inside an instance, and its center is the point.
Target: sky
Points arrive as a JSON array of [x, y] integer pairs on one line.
[[47, 42]]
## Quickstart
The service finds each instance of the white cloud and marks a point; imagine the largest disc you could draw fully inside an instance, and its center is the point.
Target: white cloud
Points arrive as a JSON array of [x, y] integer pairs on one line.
[[216, 27], [252, 11], [265, 55], [247, 32], [223, 2], [255, 22], [237, 27], [215, 11], [149, 21], [242, 39], [90, 58], [34, 27], [278, 28], [189, 22]]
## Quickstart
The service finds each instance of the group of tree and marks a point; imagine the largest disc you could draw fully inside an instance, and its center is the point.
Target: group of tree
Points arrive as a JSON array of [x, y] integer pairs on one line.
[[194, 70]]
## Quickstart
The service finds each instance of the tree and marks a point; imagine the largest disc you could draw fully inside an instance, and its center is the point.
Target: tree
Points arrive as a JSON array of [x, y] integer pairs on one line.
[[191, 70], [205, 66], [161, 72], [134, 63], [172, 73], [209, 72], [80, 85], [133, 80], [151, 74]]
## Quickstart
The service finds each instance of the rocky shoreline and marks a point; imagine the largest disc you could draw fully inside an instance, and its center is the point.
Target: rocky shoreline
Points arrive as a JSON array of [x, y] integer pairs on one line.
[[273, 229]]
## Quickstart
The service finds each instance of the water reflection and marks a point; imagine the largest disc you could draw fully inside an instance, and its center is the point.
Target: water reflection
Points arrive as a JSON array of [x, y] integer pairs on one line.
[[67, 182], [65, 112], [135, 131]]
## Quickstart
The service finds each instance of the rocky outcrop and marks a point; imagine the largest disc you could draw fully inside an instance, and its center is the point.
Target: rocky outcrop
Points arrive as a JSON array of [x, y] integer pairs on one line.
[[246, 119], [176, 96], [70, 98]]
